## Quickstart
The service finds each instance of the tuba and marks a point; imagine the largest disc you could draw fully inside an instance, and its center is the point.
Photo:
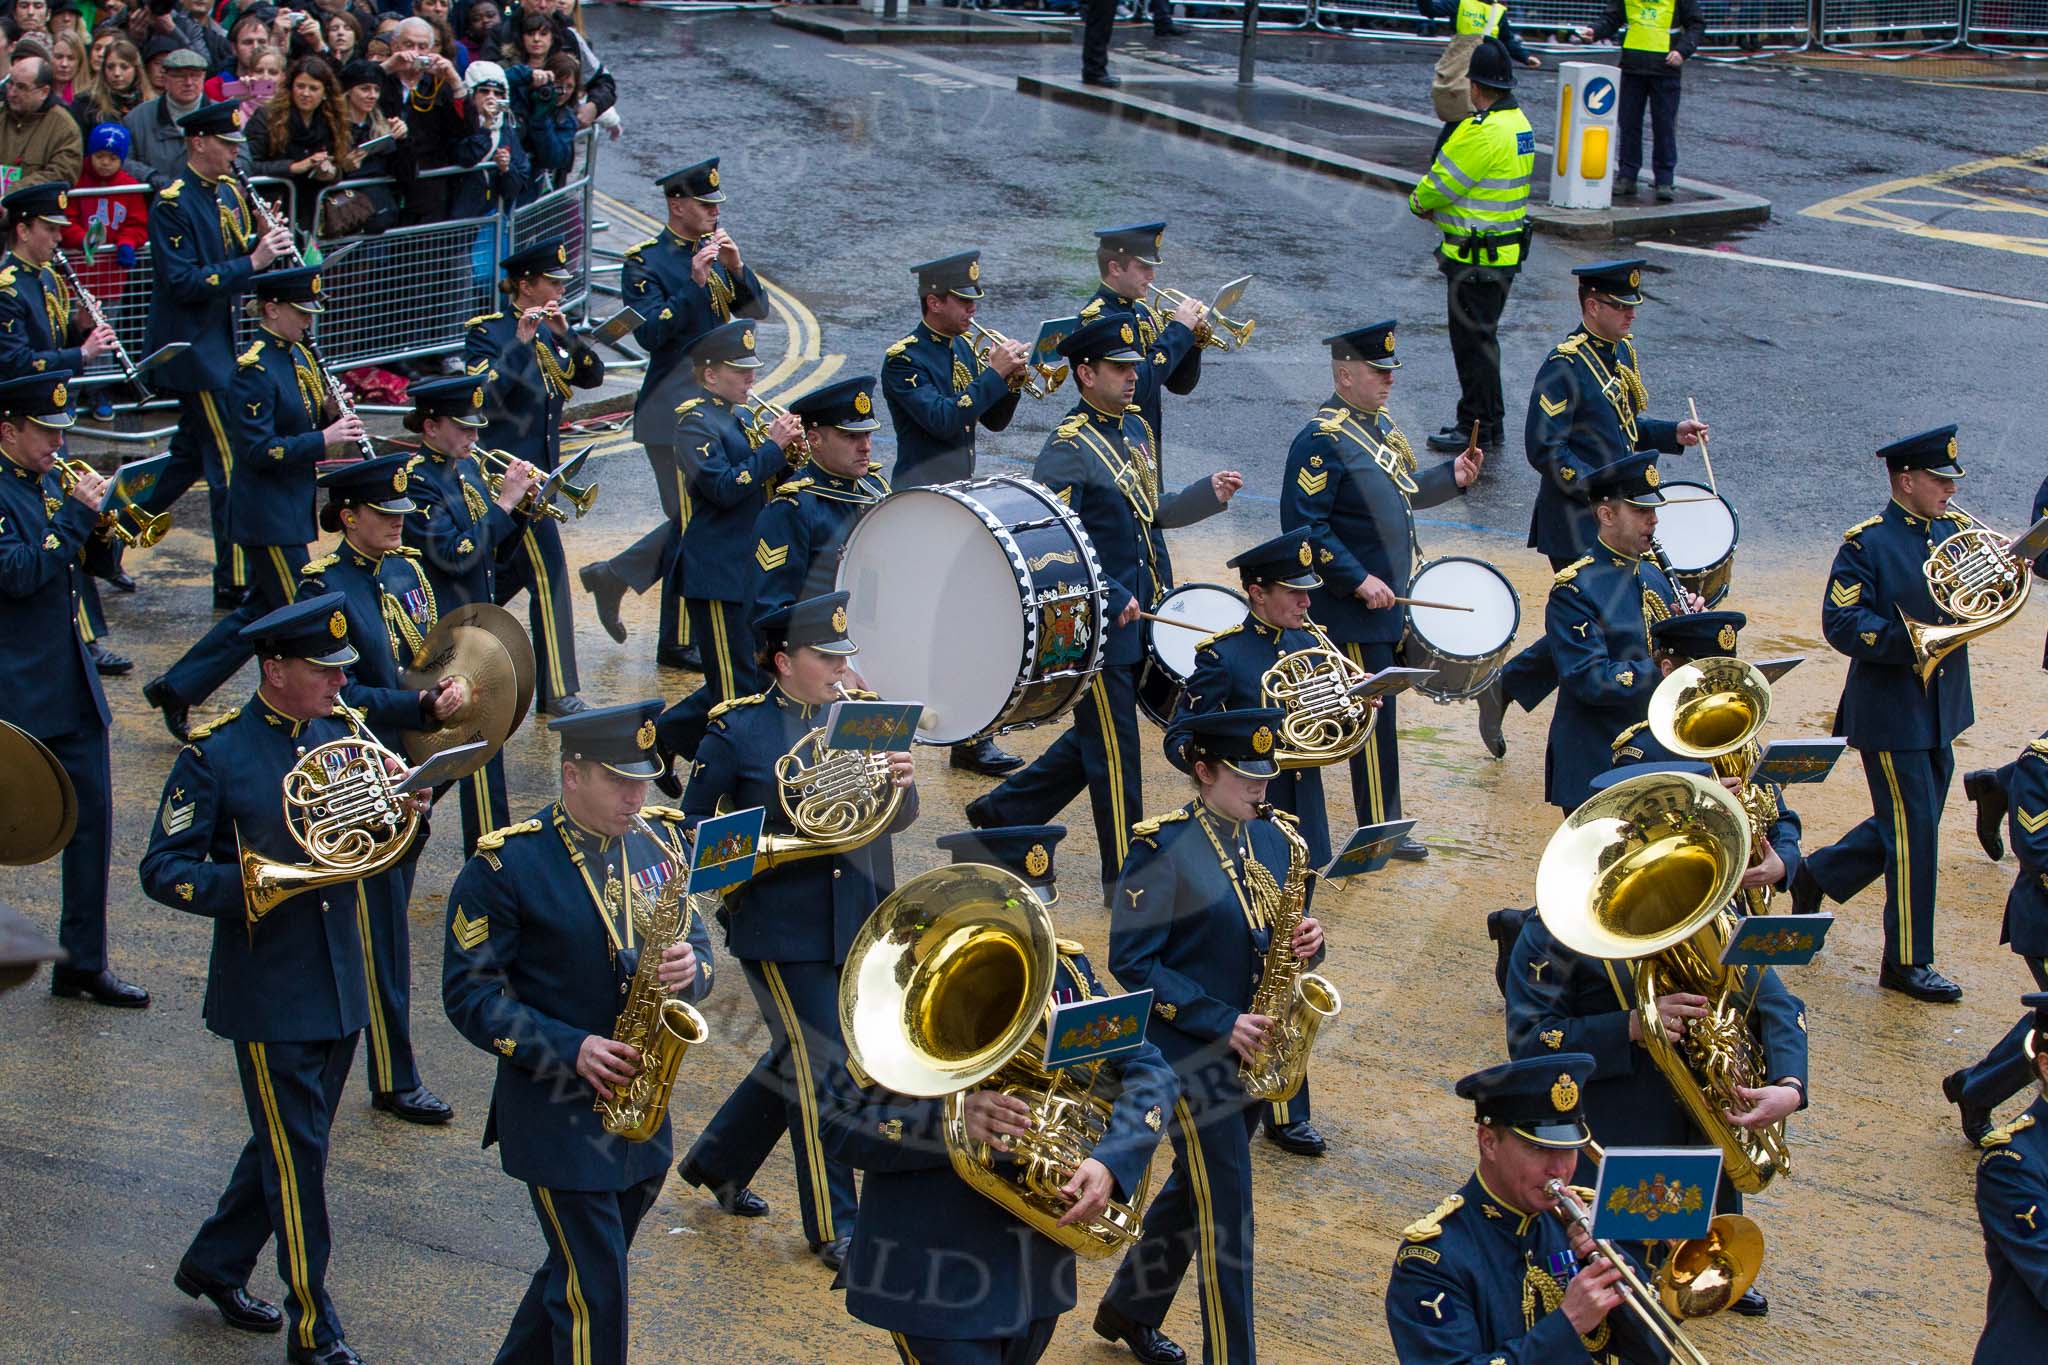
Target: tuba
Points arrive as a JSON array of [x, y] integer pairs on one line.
[[1711, 710], [1325, 722], [1297, 1002], [342, 808], [661, 1028], [1974, 578], [836, 800], [1643, 872], [947, 988]]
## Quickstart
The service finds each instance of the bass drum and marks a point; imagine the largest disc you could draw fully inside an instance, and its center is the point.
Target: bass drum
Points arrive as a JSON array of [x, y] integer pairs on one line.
[[1170, 649], [1698, 530], [1466, 648], [980, 599]]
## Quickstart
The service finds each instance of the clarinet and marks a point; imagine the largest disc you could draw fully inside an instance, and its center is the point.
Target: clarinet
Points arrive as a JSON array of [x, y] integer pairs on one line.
[[268, 220], [99, 317], [1663, 563], [342, 403]]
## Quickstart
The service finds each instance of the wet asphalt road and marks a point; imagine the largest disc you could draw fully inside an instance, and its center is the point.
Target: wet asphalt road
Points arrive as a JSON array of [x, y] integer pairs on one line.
[[116, 1131]]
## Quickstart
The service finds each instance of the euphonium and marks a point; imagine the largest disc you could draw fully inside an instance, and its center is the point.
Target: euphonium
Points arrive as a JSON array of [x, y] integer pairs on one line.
[[947, 989], [836, 800], [660, 1028], [342, 808], [1974, 578], [1712, 710], [1643, 872], [124, 521], [1297, 1001], [1325, 722]]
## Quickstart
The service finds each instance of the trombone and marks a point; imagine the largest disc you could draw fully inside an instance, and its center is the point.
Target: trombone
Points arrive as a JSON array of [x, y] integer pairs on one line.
[[1040, 380], [1214, 329], [494, 464], [123, 520]]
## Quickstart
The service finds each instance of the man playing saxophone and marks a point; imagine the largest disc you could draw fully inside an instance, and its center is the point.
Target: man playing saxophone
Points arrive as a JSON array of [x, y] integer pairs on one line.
[[544, 938], [791, 925], [1191, 921], [1904, 728], [955, 1277], [287, 990]]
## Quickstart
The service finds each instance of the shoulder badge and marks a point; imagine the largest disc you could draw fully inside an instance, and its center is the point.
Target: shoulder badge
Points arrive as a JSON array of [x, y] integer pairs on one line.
[[495, 839], [482, 318], [169, 193], [733, 702], [1070, 428], [1570, 571], [1626, 735], [1429, 1227], [789, 488], [1148, 827], [1999, 1137], [252, 356], [633, 251], [315, 567], [1861, 527], [1569, 346], [899, 348], [199, 732], [687, 405], [1334, 423]]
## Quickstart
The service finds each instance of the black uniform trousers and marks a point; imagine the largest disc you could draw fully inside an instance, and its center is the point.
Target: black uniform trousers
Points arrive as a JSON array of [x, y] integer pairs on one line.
[[1477, 294], [1098, 19], [1024, 1350], [800, 1003], [279, 1186], [387, 958], [574, 1312], [647, 560], [2005, 1070], [82, 923], [533, 561], [200, 448], [272, 573], [1661, 93], [1531, 676], [1202, 1215], [726, 640], [1901, 839], [1098, 752]]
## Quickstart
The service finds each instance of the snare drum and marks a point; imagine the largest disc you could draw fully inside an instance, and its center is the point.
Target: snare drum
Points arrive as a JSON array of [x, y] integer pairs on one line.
[[1170, 650], [1697, 529], [1466, 648], [981, 599]]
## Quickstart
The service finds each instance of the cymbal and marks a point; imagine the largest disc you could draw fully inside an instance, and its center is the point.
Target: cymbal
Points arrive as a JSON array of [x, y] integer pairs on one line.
[[470, 647], [511, 633], [38, 807]]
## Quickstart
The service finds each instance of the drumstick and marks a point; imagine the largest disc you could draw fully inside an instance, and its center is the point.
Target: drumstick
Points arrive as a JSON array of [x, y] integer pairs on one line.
[[1434, 606], [1708, 459], [1170, 621]]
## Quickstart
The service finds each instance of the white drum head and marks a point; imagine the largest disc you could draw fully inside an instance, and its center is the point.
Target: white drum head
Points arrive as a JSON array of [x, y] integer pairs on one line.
[[936, 611], [1695, 526], [1467, 583], [1203, 606]]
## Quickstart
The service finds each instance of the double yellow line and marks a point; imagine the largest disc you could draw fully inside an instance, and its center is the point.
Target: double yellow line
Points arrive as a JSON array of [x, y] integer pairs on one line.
[[804, 364]]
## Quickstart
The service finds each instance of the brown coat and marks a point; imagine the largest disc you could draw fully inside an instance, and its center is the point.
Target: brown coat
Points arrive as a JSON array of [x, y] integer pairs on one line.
[[45, 144]]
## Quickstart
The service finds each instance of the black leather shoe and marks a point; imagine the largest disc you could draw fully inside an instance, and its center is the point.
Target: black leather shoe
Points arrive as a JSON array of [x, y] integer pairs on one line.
[[1411, 850], [1171, 30], [1752, 1304], [122, 581], [1984, 792], [1450, 442], [680, 656], [101, 987], [1976, 1117], [1921, 982], [979, 816], [832, 1253], [1622, 187], [227, 599], [607, 590], [735, 1199], [985, 758], [1105, 80], [1493, 709], [566, 705], [417, 1105], [107, 663], [238, 1308], [177, 715], [333, 1353], [1299, 1137], [1806, 892], [1148, 1344]]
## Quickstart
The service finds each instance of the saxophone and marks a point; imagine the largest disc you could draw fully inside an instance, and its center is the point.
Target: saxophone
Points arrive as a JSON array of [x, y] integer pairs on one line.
[[1298, 1002], [661, 1028]]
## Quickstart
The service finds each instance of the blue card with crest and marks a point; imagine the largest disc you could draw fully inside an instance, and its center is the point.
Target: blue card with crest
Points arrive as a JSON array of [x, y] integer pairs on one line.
[[1786, 761], [1089, 1030], [1368, 850], [1650, 1193], [724, 851], [1045, 348], [872, 726], [1777, 940]]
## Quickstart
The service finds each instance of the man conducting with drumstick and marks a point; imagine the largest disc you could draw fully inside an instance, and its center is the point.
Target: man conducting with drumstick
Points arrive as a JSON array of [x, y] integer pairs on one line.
[[1102, 462], [1352, 485]]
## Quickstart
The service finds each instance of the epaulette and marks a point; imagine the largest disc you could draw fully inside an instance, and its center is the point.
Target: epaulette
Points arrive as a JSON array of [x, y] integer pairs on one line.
[[687, 405], [1071, 427], [730, 703], [857, 694], [1147, 828], [252, 356], [1998, 1137], [668, 814], [1132, 407], [1069, 947], [1570, 571], [638, 247], [1569, 346], [169, 193], [789, 488], [1094, 307], [2039, 746], [1860, 527], [900, 347], [410, 552], [495, 839], [7, 278], [1334, 423], [199, 732], [1957, 517], [1429, 1227], [481, 318], [313, 568], [1208, 640], [1626, 735]]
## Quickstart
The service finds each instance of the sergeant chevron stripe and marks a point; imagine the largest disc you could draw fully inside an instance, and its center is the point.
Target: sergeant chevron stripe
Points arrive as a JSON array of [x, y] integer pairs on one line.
[[1550, 408], [2030, 823], [1845, 594], [469, 932], [1312, 484], [770, 558]]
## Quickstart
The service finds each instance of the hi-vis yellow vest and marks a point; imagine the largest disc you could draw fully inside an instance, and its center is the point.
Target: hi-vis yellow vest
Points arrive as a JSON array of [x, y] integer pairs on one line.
[[1649, 25], [1476, 16]]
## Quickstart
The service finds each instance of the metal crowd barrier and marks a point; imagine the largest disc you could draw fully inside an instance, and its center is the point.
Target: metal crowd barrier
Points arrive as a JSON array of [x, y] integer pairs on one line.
[[2006, 25], [1278, 17], [1731, 25], [1918, 24]]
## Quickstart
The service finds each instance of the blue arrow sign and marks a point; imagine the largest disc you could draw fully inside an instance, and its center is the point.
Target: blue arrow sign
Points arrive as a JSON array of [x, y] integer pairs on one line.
[[1599, 95]]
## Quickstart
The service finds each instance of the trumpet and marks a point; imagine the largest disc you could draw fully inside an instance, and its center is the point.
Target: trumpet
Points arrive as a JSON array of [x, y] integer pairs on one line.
[[1214, 329], [1974, 577], [1040, 380], [757, 415], [124, 521], [99, 317], [494, 464]]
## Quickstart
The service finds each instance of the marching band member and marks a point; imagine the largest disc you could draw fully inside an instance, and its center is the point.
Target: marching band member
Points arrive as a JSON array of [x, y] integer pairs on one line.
[[1988, 789], [2011, 1190], [939, 390], [1904, 730], [530, 357], [542, 947], [1229, 667], [683, 283], [1352, 484], [1103, 462], [458, 530], [48, 686], [1490, 1273], [1587, 412], [1191, 918], [789, 927], [289, 991], [1126, 260], [281, 430], [952, 1276]]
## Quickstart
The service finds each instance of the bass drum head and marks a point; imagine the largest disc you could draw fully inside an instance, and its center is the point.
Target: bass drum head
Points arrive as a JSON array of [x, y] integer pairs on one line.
[[936, 608], [1207, 608]]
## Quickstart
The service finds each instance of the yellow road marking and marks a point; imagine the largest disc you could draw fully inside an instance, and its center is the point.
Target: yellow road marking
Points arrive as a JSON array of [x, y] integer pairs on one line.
[[1880, 205]]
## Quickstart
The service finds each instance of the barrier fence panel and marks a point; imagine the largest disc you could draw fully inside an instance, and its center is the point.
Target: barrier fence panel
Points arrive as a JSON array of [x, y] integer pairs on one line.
[[122, 291], [562, 212], [2008, 24], [407, 293], [1230, 14], [1890, 23], [1746, 25], [1753, 25]]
